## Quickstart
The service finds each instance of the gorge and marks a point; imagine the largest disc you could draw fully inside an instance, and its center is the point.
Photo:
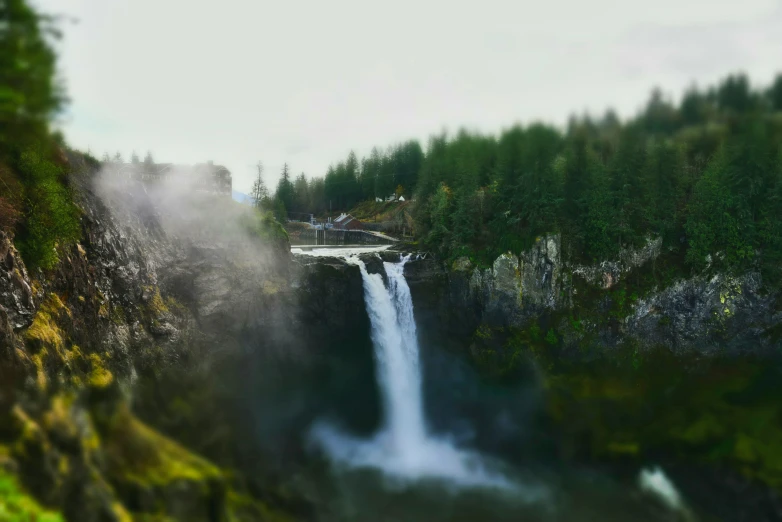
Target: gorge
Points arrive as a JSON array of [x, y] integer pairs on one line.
[[552, 324], [379, 385]]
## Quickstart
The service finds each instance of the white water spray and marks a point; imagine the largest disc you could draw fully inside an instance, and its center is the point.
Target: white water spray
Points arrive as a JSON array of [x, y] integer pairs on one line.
[[404, 448]]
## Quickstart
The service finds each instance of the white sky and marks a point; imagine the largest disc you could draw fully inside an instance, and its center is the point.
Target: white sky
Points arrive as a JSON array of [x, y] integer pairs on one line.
[[238, 81]]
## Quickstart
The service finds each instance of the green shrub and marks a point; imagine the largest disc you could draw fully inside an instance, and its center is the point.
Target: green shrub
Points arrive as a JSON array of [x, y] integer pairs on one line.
[[51, 218]]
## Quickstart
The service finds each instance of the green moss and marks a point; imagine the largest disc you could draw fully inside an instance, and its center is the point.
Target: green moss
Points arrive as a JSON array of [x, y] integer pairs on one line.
[[58, 416], [29, 434], [99, 377], [157, 304], [139, 454], [117, 314], [723, 413], [17, 506], [48, 342], [44, 331], [174, 306]]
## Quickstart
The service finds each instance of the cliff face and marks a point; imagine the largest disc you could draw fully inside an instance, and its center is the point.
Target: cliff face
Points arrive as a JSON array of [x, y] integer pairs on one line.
[[604, 305], [627, 367], [171, 361], [129, 371]]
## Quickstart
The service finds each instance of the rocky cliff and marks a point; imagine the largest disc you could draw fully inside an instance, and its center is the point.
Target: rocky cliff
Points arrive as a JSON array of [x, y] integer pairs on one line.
[[602, 306], [169, 364], [130, 371]]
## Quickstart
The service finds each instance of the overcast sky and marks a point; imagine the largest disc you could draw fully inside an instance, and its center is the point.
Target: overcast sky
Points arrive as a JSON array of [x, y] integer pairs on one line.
[[238, 81]]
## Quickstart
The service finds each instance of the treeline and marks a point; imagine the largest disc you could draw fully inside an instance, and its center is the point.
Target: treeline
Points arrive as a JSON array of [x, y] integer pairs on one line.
[[382, 174], [704, 174], [35, 202]]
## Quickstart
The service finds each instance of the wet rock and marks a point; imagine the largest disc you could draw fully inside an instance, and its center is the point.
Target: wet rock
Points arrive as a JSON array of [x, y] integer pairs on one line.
[[16, 296]]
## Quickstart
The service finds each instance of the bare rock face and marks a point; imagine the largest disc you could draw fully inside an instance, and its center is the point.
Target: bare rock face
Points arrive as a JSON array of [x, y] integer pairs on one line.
[[609, 272], [710, 314], [16, 296], [705, 314], [516, 287]]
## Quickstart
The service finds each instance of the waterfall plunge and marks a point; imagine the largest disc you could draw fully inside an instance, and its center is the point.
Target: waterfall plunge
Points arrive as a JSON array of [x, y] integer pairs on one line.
[[403, 448]]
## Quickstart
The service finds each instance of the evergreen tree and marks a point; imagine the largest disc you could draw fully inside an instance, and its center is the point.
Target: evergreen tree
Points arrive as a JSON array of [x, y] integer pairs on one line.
[[285, 193], [660, 115], [370, 170], [734, 93], [301, 194], [694, 107], [600, 213], [384, 181], [29, 91], [149, 164], [317, 195], [775, 94], [662, 175], [624, 171], [713, 228], [259, 192], [351, 189]]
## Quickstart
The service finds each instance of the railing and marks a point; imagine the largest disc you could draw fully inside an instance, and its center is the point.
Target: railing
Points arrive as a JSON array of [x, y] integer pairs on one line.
[[336, 237]]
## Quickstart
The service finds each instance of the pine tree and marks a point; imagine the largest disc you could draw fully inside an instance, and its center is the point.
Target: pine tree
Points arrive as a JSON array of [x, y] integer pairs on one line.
[[301, 194], [30, 93], [775, 94], [285, 192], [370, 170], [734, 93], [149, 164], [259, 192]]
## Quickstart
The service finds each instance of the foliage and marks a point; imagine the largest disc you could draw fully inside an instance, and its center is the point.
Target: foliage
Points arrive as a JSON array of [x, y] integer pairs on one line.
[[260, 193], [717, 412], [34, 199], [704, 175], [262, 224], [29, 92], [18, 506], [138, 453], [51, 218]]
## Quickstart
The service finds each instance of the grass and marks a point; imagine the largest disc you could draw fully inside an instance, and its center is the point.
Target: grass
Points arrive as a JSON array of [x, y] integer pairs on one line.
[[17, 506], [376, 211]]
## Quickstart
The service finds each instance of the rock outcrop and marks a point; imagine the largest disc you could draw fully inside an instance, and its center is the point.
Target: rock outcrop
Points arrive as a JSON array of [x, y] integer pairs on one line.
[[708, 313]]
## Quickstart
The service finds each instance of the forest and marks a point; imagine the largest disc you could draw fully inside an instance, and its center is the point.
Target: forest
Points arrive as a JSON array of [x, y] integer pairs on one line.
[[704, 174]]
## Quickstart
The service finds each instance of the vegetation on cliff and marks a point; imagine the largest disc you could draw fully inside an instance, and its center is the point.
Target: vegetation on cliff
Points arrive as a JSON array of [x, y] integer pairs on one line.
[[35, 201], [77, 333], [18, 506], [704, 174]]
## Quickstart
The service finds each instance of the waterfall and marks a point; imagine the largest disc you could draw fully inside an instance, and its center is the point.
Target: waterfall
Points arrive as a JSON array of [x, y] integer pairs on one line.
[[403, 448], [396, 352]]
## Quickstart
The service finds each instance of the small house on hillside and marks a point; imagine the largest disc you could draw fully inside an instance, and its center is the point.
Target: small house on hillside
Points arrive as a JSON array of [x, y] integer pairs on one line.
[[347, 222]]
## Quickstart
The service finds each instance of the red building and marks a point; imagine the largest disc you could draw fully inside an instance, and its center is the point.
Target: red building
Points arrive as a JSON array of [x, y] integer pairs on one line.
[[347, 222]]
